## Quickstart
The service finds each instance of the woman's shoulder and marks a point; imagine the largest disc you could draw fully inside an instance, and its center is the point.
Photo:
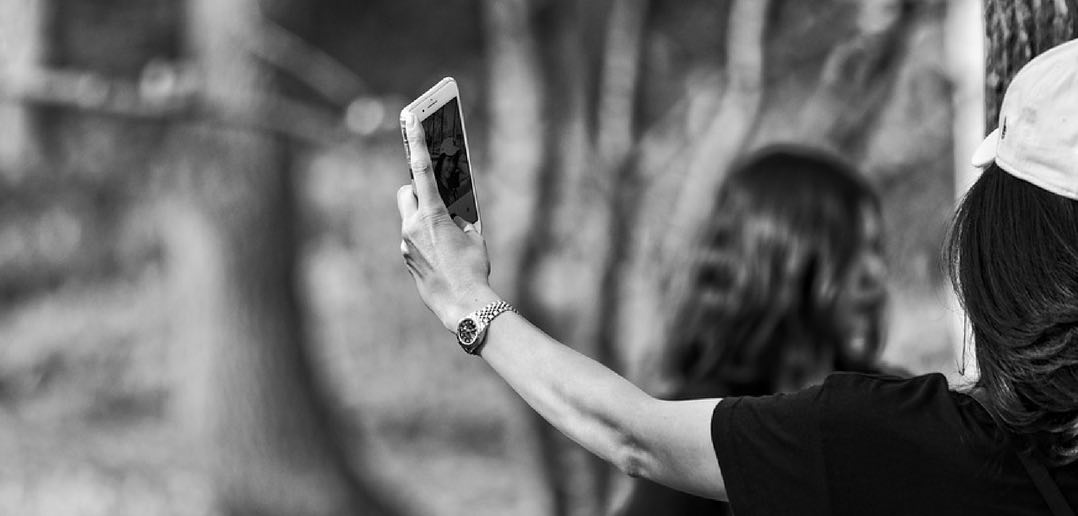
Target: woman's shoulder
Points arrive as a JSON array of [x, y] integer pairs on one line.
[[886, 382], [923, 407], [863, 395]]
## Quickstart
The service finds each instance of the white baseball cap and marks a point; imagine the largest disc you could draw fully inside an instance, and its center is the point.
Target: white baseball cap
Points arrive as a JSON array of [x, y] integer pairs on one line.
[[1036, 138]]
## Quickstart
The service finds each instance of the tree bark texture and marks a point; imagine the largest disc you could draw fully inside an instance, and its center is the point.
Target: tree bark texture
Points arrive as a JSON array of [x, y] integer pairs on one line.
[[266, 429], [1015, 32]]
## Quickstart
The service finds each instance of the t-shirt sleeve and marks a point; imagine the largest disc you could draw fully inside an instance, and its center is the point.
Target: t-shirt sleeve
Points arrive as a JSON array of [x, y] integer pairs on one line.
[[770, 454]]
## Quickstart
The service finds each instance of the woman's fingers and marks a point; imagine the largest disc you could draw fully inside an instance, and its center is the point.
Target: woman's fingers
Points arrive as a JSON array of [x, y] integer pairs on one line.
[[460, 222], [426, 189], [406, 202], [468, 229], [474, 234]]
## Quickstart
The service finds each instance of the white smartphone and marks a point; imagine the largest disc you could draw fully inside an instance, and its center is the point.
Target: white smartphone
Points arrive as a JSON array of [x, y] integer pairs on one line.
[[443, 122]]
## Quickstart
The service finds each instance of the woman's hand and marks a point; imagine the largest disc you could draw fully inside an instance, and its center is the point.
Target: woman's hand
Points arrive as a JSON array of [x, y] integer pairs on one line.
[[447, 258]]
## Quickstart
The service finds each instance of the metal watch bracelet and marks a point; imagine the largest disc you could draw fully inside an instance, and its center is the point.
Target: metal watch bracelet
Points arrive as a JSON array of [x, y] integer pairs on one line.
[[472, 328]]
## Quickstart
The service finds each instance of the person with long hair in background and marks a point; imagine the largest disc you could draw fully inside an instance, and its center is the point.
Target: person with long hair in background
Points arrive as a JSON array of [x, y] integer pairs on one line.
[[855, 444], [787, 286]]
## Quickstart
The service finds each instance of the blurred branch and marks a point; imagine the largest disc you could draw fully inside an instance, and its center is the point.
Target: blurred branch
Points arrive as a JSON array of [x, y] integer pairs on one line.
[[90, 91], [308, 63], [173, 90], [858, 78], [170, 91]]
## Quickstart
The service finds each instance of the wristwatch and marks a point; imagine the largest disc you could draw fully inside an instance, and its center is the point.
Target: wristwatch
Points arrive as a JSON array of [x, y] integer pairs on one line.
[[472, 328]]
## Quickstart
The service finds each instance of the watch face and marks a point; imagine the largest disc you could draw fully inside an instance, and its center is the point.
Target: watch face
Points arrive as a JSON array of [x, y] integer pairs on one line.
[[467, 331]]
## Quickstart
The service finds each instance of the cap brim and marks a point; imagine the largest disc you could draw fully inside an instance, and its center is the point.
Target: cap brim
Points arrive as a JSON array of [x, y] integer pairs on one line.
[[986, 152]]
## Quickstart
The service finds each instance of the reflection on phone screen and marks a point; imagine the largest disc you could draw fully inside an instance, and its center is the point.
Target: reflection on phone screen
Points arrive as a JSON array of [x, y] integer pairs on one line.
[[445, 141]]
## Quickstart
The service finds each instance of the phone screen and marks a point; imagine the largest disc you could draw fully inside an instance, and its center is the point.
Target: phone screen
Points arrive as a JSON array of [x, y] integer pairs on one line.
[[449, 156]]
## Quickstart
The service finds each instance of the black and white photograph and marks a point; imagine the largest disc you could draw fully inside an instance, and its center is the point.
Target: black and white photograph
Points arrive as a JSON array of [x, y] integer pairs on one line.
[[538, 257]]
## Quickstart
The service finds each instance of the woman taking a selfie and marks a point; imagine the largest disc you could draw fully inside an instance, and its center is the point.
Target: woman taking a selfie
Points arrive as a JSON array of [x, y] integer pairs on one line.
[[854, 444]]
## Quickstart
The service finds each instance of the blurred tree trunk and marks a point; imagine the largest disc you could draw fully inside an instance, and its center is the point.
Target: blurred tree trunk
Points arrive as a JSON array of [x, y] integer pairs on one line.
[[516, 121], [1015, 32], [669, 214], [617, 178], [722, 139], [22, 47], [616, 186], [562, 238], [552, 275], [508, 202], [965, 63], [267, 430]]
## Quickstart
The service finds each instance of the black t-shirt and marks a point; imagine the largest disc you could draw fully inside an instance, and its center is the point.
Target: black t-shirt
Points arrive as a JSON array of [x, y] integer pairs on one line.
[[862, 444]]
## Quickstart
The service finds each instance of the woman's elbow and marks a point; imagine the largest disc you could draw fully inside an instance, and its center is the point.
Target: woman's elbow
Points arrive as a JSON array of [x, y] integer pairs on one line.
[[630, 459], [634, 456]]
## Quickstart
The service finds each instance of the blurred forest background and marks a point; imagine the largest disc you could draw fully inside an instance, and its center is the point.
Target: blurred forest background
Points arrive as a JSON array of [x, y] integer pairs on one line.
[[203, 309]]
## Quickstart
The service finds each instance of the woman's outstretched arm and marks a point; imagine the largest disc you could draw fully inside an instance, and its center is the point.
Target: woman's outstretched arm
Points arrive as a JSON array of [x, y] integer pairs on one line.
[[664, 441], [668, 442]]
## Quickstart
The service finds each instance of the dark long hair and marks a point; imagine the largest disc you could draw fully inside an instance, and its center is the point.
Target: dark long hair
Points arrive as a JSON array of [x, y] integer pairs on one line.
[[762, 294], [1013, 257]]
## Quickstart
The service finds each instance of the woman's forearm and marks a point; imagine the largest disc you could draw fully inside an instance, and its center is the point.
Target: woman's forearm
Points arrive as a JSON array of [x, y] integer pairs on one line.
[[580, 397]]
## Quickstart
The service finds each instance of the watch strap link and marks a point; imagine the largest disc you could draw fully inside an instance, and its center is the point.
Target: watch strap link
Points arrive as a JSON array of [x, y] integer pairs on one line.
[[492, 310]]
